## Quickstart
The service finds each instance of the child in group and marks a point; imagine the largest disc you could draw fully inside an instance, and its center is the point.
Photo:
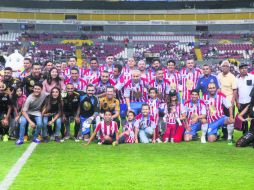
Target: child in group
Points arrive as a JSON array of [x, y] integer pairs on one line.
[[18, 100], [145, 126], [108, 130], [128, 134], [5, 111], [174, 115], [154, 104]]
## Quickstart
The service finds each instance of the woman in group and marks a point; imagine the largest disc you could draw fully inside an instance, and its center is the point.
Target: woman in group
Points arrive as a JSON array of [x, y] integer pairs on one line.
[[53, 80], [51, 113], [248, 137]]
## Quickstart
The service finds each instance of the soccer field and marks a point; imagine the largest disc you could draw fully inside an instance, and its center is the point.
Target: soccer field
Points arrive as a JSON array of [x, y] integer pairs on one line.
[[71, 165]]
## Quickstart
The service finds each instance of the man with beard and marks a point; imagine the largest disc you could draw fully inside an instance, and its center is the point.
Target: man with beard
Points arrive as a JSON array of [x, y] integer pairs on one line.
[[88, 110], [27, 68], [215, 102], [109, 103], [10, 82], [35, 77], [101, 84], [71, 101]]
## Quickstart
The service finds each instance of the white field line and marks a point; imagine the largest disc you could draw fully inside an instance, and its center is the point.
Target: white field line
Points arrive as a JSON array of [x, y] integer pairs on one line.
[[16, 168]]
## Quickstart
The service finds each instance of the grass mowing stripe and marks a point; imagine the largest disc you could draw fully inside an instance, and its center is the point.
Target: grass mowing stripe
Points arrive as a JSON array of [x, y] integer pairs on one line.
[[8, 180]]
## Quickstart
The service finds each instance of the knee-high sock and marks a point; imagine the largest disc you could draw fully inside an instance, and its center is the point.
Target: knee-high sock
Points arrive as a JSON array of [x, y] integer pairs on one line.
[[230, 129], [204, 128]]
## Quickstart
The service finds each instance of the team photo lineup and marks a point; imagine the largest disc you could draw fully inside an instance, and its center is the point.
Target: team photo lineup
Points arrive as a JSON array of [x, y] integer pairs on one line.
[[134, 102]]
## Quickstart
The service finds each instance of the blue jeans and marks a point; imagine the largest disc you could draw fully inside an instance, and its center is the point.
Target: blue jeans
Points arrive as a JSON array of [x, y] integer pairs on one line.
[[145, 134], [45, 124], [23, 122]]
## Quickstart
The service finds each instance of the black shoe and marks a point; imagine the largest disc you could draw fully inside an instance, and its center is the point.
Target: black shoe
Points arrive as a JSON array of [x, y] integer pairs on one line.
[[45, 139]]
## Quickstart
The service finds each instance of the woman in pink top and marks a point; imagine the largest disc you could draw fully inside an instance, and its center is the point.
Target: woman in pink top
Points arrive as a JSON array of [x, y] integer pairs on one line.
[[53, 80]]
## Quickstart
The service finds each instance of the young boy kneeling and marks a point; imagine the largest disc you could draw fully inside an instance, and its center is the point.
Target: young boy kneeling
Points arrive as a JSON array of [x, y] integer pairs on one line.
[[108, 130]]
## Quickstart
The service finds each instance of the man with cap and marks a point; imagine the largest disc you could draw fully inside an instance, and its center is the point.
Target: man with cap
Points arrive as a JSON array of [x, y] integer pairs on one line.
[[229, 89], [245, 83]]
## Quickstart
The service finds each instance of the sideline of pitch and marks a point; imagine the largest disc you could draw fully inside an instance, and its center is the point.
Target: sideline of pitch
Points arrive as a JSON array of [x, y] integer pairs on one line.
[[16, 168]]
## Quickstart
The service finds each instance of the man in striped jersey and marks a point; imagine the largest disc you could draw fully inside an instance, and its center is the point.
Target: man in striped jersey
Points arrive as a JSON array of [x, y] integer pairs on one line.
[[78, 83], [196, 117], [189, 78], [172, 75], [91, 74], [214, 105], [135, 92]]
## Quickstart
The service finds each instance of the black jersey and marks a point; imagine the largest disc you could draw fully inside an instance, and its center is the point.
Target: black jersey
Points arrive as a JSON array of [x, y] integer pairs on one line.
[[29, 81], [71, 103]]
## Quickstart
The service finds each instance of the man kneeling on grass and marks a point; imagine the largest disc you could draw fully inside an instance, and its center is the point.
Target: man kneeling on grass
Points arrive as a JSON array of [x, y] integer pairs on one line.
[[145, 126], [108, 130]]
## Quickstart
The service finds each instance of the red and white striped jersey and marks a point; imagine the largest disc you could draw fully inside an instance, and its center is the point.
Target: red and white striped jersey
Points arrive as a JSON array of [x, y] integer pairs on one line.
[[129, 126], [144, 122], [137, 92], [106, 130], [163, 88], [80, 84], [189, 81], [105, 67], [100, 87], [174, 79], [154, 108], [89, 75], [214, 106], [120, 89], [198, 109], [176, 112]]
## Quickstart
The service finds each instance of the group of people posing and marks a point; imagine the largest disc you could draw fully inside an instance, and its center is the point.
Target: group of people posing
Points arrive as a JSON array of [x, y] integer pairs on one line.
[[149, 104]]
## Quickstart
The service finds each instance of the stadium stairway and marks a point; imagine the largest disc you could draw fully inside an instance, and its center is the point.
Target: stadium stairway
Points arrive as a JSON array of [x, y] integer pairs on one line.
[[79, 55], [198, 54]]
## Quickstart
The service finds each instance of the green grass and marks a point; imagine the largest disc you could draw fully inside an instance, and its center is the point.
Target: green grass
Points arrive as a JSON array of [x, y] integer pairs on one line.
[[9, 154], [193, 165]]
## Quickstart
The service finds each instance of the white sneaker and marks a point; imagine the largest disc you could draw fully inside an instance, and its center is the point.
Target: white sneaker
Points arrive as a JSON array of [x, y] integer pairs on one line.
[[158, 140], [67, 137], [76, 140], [203, 140]]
